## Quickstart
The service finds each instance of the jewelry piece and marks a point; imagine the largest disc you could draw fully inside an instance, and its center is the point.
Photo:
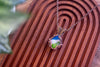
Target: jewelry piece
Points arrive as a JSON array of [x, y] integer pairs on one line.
[[56, 41]]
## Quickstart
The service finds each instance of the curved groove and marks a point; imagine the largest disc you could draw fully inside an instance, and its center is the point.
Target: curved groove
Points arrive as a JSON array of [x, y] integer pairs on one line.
[[94, 30], [76, 42], [83, 37], [84, 41], [88, 40], [92, 53]]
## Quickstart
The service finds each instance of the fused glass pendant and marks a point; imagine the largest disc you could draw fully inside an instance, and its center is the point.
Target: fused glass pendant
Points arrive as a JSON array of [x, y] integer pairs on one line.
[[55, 42]]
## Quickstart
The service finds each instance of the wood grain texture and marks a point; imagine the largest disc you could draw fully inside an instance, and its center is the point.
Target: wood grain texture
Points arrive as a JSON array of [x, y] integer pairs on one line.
[[30, 43]]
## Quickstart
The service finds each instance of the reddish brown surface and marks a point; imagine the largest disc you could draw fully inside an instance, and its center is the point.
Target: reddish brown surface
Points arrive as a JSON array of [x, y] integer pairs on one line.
[[29, 44]]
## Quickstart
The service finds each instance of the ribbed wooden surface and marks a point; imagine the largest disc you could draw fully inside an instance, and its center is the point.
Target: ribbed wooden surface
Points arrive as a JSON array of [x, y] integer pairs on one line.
[[30, 44]]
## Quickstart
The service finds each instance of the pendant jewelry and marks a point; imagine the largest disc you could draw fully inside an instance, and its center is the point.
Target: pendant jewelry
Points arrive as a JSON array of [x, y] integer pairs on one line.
[[55, 41]]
